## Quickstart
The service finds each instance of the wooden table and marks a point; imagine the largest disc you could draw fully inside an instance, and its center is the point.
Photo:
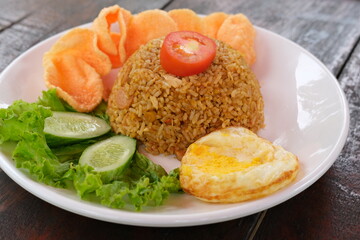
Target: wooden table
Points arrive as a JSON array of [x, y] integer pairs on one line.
[[329, 209]]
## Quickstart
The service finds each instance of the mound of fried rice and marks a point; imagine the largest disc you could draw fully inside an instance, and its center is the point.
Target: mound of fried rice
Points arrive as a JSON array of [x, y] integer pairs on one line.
[[167, 113]]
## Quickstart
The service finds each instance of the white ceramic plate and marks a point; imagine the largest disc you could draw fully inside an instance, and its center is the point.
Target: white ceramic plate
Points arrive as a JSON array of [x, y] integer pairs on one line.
[[305, 111]]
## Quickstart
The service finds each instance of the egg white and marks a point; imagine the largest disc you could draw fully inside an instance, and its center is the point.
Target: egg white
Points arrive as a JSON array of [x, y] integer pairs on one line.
[[233, 165]]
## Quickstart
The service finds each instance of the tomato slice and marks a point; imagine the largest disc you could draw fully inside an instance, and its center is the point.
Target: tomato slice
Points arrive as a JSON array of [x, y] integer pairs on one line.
[[186, 53]]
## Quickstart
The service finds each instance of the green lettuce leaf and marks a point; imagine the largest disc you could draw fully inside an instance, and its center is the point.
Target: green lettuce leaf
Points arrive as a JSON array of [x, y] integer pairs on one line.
[[139, 193], [23, 123], [142, 166], [140, 189], [33, 155], [144, 183], [50, 99], [85, 180], [100, 112], [21, 118]]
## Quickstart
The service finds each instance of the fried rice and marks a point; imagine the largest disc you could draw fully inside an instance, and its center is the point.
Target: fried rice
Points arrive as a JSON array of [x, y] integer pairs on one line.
[[167, 113]]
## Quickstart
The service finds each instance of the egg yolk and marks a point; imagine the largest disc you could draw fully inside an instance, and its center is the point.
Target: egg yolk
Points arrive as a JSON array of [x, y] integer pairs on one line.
[[215, 161]]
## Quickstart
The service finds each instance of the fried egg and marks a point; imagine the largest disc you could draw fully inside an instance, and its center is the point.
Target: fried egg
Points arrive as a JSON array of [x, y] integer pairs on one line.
[[234, 165]]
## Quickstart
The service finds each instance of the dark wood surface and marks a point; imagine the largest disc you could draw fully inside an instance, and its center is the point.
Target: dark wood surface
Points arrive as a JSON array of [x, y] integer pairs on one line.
[[329, 209]]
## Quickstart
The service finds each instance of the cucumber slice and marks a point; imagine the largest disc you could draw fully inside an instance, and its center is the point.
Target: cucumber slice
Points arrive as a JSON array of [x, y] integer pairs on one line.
[[68, 127], [109, 157]]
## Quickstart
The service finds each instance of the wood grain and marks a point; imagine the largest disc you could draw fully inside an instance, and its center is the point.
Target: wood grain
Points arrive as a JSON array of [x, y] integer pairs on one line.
[[329, 209]]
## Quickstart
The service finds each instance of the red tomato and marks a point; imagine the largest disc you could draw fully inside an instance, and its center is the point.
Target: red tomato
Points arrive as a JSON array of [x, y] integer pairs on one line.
[[186, 53]]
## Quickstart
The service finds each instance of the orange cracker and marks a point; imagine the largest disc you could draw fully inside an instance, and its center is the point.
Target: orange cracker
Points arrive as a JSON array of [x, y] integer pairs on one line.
[[75, 80], [108, 40], [115, 59], [101, 25], [123, 20], [213, 22], [239, 33], [187, 20], [146, 26], [82, 43]]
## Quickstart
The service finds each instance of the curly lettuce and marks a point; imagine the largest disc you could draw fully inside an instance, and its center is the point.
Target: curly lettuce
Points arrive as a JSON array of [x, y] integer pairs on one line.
[[143, 184], [23, 123]]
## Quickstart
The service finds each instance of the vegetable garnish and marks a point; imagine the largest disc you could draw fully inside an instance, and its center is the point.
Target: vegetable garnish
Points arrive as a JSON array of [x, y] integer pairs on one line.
[[110, 157], [186, 53], [141, 182], [72, 127]]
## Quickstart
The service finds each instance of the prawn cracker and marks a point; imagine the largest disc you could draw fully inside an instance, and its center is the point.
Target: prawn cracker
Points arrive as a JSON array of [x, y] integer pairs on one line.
[[123, 21], [187, 20], [213, 22], [109, 40], [82, 43], [146, 26], [75, 81], [239, 33]]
